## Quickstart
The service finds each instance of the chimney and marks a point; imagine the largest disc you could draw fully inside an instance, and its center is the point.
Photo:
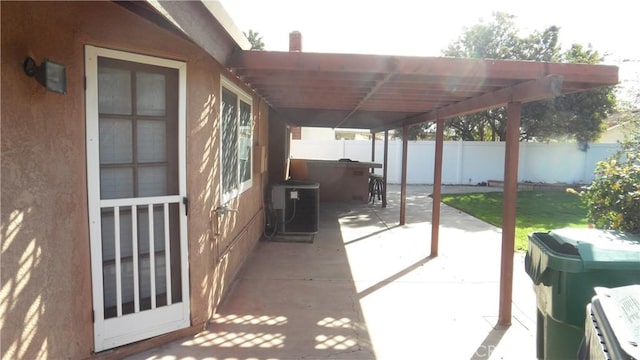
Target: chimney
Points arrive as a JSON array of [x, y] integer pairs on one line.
[[295, 41]]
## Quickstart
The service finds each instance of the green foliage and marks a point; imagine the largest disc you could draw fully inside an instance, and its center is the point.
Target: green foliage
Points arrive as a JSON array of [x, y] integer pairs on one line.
[[485, 41], [577, 116], [487, 125], [613, 199], [255, 40]]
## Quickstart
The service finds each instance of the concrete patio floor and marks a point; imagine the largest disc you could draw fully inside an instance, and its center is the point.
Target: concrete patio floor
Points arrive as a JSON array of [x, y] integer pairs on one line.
[[366, 288]]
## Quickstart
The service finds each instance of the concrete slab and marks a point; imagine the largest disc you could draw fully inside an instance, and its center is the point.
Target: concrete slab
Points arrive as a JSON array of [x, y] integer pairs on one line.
[[366, 288]]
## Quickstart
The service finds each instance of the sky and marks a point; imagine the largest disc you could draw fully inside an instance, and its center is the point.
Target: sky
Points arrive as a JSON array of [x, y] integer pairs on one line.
[[424, 28]]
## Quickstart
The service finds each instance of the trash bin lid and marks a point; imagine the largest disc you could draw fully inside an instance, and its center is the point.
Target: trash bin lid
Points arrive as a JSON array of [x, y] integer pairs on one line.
[[618, 310], [601, 249]]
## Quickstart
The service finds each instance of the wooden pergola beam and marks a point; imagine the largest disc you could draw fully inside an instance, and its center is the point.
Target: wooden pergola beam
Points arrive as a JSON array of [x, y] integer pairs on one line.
[[313, 62], [360, 63], [288, 76], [364, 99], [528, 91], [452, 69], [413, 88]]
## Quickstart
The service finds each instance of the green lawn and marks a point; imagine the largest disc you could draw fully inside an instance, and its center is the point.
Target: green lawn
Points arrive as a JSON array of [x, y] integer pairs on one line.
[[537, 210]]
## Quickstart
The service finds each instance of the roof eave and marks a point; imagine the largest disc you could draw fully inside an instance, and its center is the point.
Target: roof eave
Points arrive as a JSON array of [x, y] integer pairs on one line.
[[207, 24]]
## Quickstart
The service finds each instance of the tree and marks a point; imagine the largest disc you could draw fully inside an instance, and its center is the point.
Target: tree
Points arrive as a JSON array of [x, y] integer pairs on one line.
[[255, 39], [613, 199], [423, 131], [577, 116]]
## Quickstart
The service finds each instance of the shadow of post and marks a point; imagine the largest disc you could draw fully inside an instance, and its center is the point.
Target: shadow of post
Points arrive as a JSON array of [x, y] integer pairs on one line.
[[394, 277], [489, 343]]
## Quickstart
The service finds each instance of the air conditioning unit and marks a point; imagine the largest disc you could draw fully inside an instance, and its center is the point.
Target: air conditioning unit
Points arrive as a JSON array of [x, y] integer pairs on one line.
[[296, 206]]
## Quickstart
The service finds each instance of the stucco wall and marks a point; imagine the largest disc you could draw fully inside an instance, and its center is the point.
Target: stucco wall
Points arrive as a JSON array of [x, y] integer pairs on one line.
[[45, 295]]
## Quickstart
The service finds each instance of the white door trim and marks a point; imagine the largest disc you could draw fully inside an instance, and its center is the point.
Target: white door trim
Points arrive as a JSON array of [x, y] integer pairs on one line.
[[102, 338]]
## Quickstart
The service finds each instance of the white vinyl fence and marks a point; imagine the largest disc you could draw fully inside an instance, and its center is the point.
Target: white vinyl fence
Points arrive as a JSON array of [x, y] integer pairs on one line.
[[466, 162]]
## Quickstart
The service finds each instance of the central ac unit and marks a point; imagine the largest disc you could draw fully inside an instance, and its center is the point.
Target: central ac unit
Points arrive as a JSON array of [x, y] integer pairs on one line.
[[296, 204]]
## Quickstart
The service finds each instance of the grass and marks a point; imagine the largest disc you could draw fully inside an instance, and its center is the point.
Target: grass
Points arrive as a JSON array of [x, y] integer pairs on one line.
[[537, 210]]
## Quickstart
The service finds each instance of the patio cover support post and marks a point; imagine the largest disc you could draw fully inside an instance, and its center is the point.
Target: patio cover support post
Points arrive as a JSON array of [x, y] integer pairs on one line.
[[437, 187], [509, 211], [403, 181], [384, 168], [373, 149]]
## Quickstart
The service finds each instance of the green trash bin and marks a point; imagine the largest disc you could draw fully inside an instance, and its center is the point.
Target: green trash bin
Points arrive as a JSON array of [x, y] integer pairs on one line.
[[565, 265]]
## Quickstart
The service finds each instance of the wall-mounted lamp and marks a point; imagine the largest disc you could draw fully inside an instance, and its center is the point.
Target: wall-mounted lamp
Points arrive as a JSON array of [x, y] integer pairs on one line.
[[49, 74]]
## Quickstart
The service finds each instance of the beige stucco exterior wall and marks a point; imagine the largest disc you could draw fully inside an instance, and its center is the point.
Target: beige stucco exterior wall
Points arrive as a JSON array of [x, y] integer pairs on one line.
[[45, 289]]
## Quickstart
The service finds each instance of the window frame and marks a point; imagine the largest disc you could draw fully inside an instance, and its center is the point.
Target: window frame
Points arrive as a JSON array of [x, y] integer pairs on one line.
[[241, 96]]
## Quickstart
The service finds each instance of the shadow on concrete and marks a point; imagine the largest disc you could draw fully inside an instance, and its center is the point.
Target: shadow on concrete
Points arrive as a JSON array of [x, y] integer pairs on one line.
[[394, 277], [490, 343], [290, 301], [366, 288], [370, 235]]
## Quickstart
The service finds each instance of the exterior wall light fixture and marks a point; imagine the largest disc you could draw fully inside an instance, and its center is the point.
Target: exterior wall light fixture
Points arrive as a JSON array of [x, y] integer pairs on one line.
[[51, 75]]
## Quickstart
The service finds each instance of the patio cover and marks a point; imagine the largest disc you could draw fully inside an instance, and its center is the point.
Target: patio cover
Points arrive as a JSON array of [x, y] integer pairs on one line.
[[380, 93], [377, 92]]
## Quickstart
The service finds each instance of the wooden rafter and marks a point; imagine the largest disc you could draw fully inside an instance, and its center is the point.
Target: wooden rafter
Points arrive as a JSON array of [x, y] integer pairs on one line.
[[365, 98], [401, 90], [546, 87]]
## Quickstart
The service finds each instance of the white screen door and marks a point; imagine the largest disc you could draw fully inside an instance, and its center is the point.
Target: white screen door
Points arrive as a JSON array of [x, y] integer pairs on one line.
[[135, 108]]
